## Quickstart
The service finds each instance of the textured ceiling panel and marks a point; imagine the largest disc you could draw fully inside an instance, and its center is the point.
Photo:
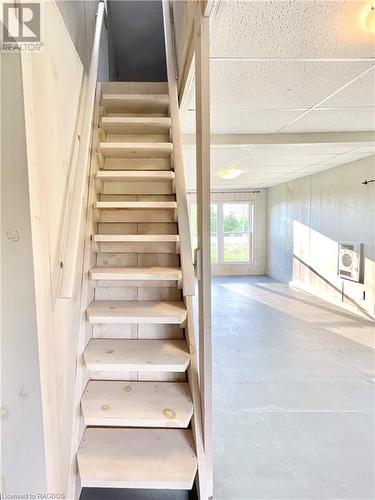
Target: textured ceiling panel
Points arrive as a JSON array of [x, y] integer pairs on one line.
[[263, 97], [242, 122], [291, 29], [360, 93], [243, 86], [344, 158], [335, 120]]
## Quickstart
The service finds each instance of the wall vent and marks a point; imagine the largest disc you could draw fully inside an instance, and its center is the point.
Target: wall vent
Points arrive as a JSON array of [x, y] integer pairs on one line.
[[350, 261]]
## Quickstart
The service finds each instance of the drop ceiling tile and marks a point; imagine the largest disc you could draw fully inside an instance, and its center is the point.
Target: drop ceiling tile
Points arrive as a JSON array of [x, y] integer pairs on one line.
[[288, 85], [360, 93], [309, 29], [370, 148], [345, 158], [335, 120], [282, 150], [241, 122], [250, 122], [285, 160]]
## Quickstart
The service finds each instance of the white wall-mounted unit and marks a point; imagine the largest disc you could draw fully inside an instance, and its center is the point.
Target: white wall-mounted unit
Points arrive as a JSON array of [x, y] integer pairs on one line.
[[349, 261]]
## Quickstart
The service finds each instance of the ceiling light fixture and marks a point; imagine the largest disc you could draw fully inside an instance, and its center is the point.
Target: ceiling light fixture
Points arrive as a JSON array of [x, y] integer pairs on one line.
[[368, 18], [230, 173]]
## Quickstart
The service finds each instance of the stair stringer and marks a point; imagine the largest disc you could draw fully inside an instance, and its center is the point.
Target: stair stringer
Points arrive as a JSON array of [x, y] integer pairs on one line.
[[187, 267], [187, 275], [87, 295], [197, 421]]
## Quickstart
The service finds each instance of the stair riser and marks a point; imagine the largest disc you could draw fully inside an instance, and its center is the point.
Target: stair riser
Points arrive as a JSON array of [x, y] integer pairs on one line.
[[137, 164], [132, 128], [137, 228], [124, 150], [138, 259], [141, 138], [132, 247], [140, 294], [142, 332], [135, 216], [136, 187]]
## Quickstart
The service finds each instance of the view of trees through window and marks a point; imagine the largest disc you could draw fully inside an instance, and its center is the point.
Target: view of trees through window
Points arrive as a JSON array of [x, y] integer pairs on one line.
[[231, 228], [236, 232]]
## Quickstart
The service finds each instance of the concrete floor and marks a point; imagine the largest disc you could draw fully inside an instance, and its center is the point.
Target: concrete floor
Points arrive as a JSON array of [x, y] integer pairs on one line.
[[293, 395], [293, 398]]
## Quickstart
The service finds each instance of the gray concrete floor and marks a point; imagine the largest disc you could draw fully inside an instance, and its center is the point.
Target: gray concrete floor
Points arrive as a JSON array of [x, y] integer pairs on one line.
[[293, 395]]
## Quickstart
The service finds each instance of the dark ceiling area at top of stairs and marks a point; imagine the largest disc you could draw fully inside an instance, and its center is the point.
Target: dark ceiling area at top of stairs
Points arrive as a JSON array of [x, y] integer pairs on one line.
[[138, 38]]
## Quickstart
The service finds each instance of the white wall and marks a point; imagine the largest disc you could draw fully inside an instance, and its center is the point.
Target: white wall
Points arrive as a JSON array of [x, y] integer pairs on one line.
[[22, 441], [79, 19], [306, 219]]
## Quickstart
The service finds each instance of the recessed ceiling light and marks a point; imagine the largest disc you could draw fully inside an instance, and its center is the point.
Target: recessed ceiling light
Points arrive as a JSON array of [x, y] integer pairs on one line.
[[368, 18], [230, 173]]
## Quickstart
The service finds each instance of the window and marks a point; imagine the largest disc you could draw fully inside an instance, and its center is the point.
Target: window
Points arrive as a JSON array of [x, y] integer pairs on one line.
[[231, 231]]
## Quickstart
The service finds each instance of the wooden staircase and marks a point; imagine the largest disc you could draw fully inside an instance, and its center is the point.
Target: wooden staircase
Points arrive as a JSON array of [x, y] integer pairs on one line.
[[140, 406]]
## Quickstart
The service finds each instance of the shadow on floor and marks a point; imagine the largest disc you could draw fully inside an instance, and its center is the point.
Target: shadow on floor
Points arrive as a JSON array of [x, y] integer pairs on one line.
[[125, 494]]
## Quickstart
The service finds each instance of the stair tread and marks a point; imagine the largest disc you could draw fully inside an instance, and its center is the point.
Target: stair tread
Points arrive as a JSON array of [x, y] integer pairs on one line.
[[136, 145], [135, 174], [136, 204], [136, 273], [117, 311], [137, 458], [171, 238], [162, 99], [137, 404], [162, 355], [143, 124]]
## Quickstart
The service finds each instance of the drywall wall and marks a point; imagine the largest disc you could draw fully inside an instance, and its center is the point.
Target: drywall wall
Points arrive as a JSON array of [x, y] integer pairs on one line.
[[79, 17], [138, 37], [306, 219], [22, 441]]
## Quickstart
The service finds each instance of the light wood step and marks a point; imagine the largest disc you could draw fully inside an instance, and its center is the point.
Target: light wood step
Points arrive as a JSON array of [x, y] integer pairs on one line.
[[137, 164], [142, 312], [137, 458], [137, 238], [136, 404], [134, 88], [136, 175], [113, 355], [137, 103], [135, 125], [136, 204], [136, 273], [136, 149]]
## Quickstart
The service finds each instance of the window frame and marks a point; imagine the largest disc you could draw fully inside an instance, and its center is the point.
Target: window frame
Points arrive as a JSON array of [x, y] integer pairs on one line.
[[220, 231]]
